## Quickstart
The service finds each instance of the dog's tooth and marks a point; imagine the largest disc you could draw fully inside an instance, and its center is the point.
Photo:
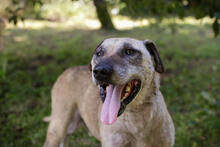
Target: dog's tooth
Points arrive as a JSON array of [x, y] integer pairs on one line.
[[128, 88], [126, 95]]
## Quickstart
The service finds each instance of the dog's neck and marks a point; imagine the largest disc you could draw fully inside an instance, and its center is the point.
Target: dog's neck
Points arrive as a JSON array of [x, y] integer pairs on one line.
[[146, 95]]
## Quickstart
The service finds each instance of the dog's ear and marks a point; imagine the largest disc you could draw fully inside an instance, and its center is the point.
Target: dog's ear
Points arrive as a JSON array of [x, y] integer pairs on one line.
[[151, 47], [90, 65]]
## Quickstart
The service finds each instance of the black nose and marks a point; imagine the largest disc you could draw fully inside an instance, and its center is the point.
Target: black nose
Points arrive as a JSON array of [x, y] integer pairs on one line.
[[103, 72]]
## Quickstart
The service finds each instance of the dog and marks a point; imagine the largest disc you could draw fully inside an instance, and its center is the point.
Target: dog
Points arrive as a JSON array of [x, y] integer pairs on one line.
[[122, 107]]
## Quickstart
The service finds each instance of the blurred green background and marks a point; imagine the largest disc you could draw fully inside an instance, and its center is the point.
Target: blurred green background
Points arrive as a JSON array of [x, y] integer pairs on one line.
[[60, 34]]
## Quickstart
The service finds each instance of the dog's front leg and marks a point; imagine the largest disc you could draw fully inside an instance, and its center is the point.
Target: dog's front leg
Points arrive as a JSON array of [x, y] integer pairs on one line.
[[57, 132], [62, 113]]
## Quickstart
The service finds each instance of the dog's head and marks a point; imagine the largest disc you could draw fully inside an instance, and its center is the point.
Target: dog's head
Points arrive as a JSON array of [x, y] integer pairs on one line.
[[120, 67]]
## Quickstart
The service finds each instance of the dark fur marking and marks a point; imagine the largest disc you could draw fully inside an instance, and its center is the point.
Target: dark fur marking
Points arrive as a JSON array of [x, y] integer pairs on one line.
[[151, 47], [90, 65], [136, 59]]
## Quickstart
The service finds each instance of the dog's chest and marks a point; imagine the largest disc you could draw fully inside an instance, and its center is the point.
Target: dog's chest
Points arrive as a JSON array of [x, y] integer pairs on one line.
[[138, 124]]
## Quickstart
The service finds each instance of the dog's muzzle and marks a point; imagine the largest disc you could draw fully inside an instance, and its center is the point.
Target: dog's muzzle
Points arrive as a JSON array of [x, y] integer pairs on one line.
[[103, 72]]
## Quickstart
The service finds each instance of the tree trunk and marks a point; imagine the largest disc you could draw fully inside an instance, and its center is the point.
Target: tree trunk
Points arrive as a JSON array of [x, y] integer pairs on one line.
[[103, 14]]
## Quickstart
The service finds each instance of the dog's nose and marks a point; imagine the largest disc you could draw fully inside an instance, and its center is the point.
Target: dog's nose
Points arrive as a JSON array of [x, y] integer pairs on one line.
[[103, 72]]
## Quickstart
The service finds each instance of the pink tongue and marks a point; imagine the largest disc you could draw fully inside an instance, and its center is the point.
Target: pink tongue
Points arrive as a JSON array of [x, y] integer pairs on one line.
[[111, 105]]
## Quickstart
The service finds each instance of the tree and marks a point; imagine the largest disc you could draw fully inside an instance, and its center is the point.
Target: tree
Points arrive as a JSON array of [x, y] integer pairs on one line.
[[103, 14]]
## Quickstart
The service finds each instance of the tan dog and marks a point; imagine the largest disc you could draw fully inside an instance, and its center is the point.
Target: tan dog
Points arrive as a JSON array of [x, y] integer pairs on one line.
[[127, 109]]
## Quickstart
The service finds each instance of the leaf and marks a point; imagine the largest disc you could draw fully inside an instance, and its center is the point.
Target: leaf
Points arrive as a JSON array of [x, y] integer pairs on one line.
[[180, 11], [215, 27], [218, 15], [8, 10], [199, 12], [15, 2], [15, 21], [10, 19], [207, 97], [170, 8], [22, 19], [211, 13]]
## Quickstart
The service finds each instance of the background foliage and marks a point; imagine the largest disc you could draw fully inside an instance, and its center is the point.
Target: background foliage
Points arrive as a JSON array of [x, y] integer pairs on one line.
[[19, 9], [181, 8]]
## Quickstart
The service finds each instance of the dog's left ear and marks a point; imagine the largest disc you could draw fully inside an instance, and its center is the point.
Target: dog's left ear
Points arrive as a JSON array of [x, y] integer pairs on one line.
[[151, 47]]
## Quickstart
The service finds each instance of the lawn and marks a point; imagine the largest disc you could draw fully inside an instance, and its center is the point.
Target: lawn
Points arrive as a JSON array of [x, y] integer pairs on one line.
[[32, 59]]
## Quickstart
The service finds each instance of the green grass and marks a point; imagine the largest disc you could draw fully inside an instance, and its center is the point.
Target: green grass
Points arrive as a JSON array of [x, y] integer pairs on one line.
[[32, 59]]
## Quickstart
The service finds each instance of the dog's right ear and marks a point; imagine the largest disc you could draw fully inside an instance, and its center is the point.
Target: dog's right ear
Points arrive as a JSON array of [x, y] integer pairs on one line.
[[151, 47], [90, 65]]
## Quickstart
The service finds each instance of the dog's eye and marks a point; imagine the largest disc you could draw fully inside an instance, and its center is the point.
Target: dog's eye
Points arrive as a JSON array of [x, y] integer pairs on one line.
[[129, 52], [99, 53]]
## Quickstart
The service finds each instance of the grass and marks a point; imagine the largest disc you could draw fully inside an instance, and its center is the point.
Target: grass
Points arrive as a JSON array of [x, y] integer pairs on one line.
[[32, 59]]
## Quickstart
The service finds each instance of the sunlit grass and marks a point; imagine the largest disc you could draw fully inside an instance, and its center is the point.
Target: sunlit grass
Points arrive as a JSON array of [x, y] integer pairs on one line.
[[120, 22]]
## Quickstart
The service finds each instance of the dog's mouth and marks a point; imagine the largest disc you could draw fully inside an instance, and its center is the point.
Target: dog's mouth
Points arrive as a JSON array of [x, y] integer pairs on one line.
[[115, 99]]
